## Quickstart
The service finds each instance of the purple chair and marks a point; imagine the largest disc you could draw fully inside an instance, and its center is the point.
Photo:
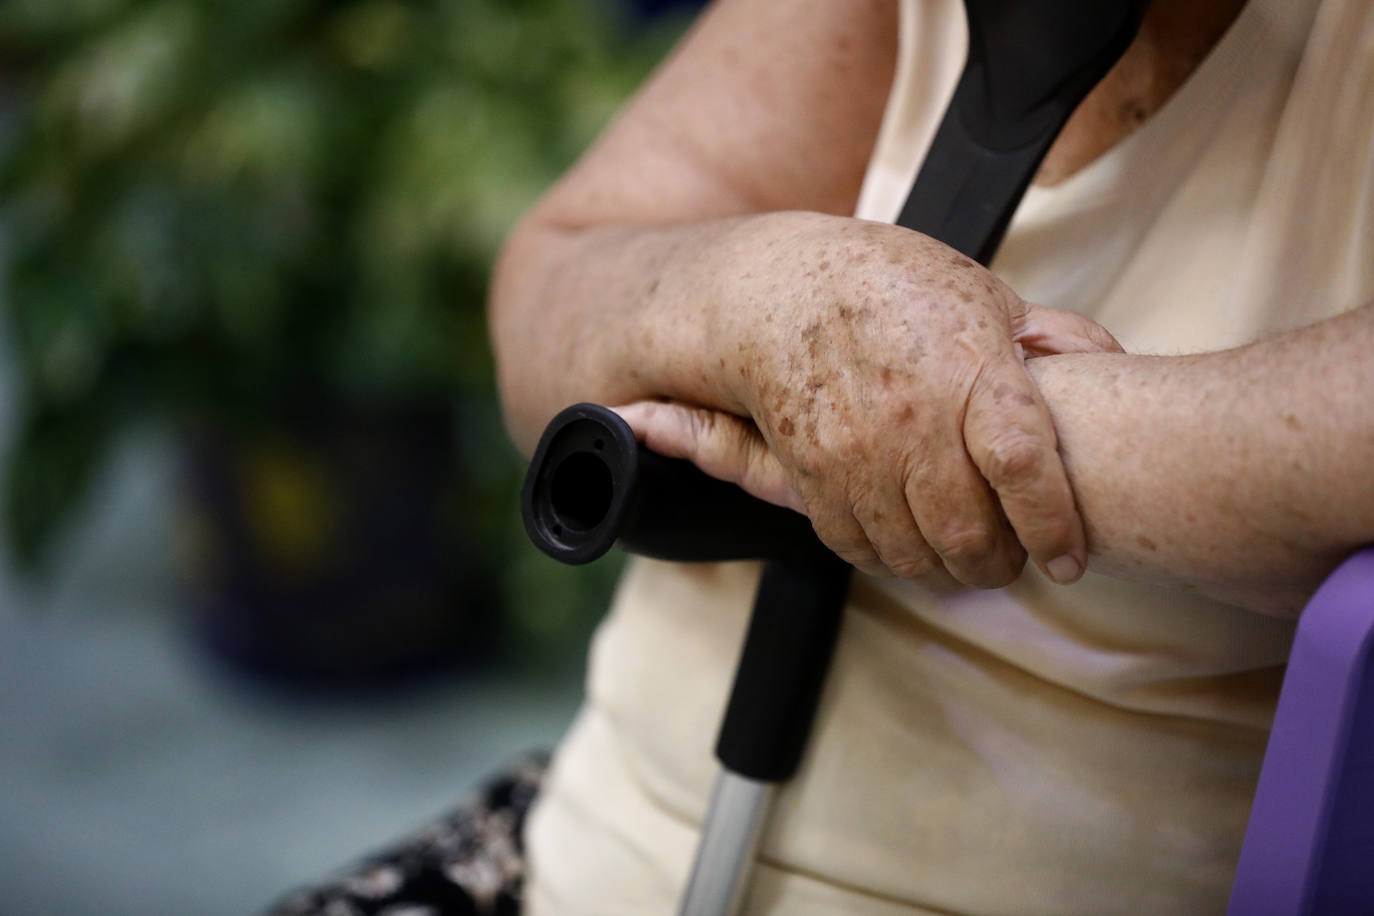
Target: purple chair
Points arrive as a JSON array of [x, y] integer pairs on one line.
[[1309, 847]]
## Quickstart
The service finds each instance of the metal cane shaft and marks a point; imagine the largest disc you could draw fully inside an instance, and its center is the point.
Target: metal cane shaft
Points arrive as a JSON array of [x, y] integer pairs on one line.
[[735, 820]]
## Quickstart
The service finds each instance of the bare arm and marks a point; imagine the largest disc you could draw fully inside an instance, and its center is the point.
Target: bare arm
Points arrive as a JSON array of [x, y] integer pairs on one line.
[[1247, 474], [599, 292]]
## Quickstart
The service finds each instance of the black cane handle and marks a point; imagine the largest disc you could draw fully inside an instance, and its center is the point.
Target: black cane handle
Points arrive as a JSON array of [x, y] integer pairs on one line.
[[592, 486]]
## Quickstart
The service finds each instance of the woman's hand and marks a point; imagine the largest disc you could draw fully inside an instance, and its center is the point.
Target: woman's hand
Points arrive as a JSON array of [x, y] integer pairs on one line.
[[875, 382]]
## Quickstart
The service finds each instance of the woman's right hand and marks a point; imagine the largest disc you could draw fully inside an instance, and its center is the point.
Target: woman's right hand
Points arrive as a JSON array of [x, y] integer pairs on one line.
[[874, 379]]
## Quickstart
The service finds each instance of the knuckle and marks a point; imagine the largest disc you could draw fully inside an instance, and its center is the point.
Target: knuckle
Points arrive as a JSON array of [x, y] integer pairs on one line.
[[754, 465], [918, 473], [1012, 460], [1016, 308], [1103, 338], [843, 540], [745, 442], [966, 546], [861, 494], [703, 425]]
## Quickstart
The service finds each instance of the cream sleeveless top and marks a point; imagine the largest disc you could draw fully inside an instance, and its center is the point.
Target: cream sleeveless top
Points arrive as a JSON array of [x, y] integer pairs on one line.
[[1090, 749]]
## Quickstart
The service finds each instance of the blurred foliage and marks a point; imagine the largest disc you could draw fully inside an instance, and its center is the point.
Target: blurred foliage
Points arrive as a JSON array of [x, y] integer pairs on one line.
[[218, 209]]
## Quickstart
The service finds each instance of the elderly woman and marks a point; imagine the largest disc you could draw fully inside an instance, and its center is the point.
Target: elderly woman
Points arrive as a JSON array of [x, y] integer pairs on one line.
[[1077, 734]]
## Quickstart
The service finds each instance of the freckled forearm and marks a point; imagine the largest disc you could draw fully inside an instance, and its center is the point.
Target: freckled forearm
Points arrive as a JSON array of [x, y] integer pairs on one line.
[[621, 313], [607, 314], [1242, 473]]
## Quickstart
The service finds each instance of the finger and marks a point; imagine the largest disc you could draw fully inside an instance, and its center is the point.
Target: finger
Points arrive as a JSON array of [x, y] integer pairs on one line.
[[897, 542], [959, 517], [722, 445], [1043, 331], [841, 531], [1010, 437], [732, 449]]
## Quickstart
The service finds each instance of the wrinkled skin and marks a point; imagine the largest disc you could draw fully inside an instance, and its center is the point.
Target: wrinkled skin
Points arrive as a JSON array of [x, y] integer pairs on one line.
[[886, 397]]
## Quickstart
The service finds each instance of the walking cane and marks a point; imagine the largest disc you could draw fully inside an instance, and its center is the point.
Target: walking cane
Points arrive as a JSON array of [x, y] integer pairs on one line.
[[591, 485]]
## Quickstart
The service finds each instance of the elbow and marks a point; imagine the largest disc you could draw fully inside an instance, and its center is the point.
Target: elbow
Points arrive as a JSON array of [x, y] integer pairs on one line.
[[528, 323], [512, 300]]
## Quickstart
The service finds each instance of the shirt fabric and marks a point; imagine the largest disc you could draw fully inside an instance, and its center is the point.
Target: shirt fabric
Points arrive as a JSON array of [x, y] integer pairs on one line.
[[1087, 749]]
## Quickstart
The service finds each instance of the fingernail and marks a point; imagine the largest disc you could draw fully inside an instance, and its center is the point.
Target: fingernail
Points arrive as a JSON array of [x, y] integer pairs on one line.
[[1063, 569]]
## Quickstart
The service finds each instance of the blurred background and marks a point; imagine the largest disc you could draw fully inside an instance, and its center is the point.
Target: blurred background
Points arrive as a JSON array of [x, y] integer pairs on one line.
[[265, 602]]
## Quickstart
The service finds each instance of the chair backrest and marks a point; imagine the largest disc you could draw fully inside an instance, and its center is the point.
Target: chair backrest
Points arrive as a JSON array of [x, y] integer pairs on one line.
[[1309, 846]]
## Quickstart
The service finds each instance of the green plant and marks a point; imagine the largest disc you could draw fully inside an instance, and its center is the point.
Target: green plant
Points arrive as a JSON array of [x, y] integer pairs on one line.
[[224, 209]]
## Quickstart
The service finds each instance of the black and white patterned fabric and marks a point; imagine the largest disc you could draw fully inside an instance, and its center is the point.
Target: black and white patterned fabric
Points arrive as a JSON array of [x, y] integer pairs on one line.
[[469, 862]]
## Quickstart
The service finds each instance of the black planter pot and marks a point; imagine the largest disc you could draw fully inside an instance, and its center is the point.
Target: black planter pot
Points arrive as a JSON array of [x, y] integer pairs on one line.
[[334, 552]]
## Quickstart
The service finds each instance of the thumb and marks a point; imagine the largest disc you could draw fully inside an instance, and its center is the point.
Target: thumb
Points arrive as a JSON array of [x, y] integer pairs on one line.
[[722, 445], [1044, 331]]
